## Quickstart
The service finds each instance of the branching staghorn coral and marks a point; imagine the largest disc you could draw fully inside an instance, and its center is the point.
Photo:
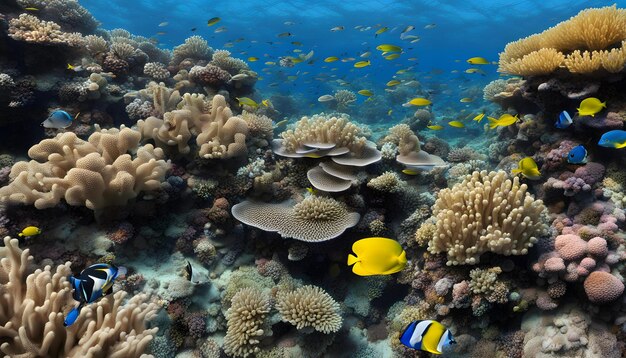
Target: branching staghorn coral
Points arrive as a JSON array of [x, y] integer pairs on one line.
[[582, 44], [246, 317], [486, 212], [310, 306], [96, 173], [32, 315]]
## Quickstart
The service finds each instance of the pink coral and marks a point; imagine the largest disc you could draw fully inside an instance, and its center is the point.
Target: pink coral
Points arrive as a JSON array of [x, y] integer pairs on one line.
[[570, 247], [554, 264], [591, 173], [602, 287], [597, 247]]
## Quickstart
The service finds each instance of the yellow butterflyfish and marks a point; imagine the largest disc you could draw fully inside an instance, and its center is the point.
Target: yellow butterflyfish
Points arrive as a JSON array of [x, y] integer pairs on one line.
[[479, 117], [528, 168], [505, 120], [331, 59], [393, 83], [381, 30], [361, 64], [29, 231], [410, 172], [456, 124], [590, 106], [377, 256], [393, 56], [365, 92], [253, 59], [478, 61], [213, 21], [435, 127]]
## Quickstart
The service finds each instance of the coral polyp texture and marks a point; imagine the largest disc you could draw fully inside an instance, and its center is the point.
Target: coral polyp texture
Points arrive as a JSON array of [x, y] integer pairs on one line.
[[246, 318], [582, 44], [486, 212], [310, 306], [34, 304], [96, 173]]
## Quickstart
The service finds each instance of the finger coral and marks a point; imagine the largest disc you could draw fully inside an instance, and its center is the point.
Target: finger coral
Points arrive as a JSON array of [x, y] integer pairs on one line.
[[96, 173], [310, 306], [582, 44], [314, 219], [486, 212], [32, 317], [246, 317]]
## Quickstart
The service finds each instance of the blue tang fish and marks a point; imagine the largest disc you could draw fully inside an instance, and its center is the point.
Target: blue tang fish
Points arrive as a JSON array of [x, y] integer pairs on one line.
[[427, 335], [564, 121], [93, 282], [613, 139], [58, 119], [578, 155]]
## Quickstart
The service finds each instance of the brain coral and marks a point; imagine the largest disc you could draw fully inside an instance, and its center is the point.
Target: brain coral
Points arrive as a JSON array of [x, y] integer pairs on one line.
[[487, 212], [314, 219], [310, 306], [245, 316], [33, 305]]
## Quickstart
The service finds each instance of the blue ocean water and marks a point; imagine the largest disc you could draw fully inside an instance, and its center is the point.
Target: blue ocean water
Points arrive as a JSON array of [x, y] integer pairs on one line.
[[462, 29]]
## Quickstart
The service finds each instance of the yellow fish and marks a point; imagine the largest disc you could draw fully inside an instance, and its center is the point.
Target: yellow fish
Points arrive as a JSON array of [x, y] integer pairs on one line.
[[246, 101], [296, 43], [479, 117], [377, 256], [331, 59], [466, 100], [528, 168], [365, 92], [213, 21], [312, 155], [270, 63], [410, 172], [266, 102], [475, 70], [31, 9], [292, 78], [393, 56], [389, 48], [590, 106], [311, 190], [29, 231], [456, 124], [389, 112], [420, 102], [253, 59], [505, 120], [435, 127], [70, 67], [478, 61], [393, 83], [361, 64], [380, 31]]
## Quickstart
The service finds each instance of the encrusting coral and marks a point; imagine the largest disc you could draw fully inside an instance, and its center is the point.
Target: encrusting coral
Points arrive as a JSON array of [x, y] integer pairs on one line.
[[96, 173], [310, 306], [32, 315], [314, 219], [246, 317], [487, 212]]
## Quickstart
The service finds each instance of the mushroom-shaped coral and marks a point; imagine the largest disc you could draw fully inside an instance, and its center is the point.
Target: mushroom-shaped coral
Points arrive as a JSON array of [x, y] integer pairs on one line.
[[487, 212], [310, 306], [602, 287], [314, 219], [245, 316]]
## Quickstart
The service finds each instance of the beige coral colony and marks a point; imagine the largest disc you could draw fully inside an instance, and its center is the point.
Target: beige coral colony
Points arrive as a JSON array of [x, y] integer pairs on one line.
[[317, 186]]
